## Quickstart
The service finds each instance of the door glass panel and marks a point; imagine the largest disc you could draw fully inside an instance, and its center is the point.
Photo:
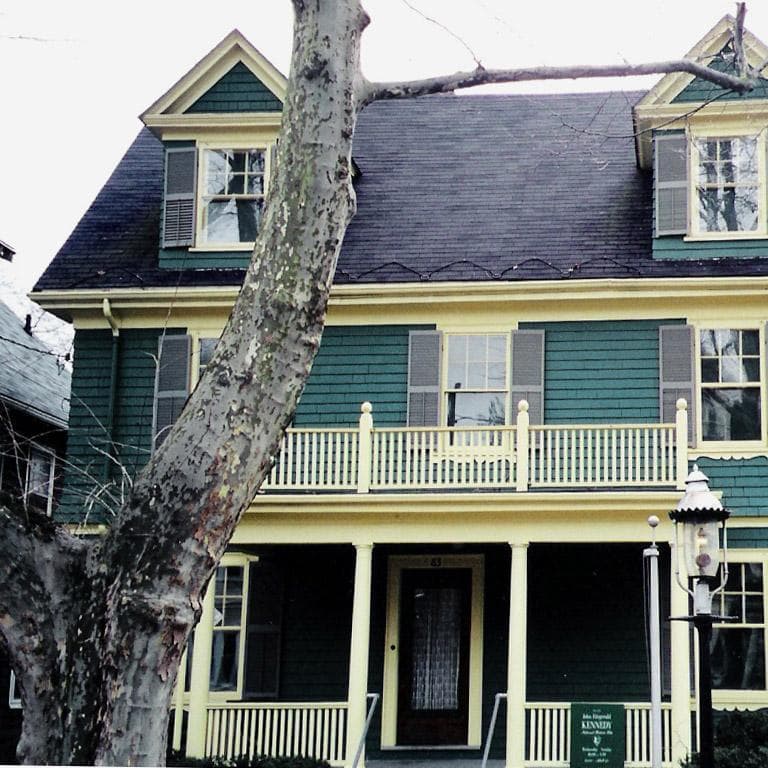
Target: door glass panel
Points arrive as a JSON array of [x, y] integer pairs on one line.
[[436, 648]]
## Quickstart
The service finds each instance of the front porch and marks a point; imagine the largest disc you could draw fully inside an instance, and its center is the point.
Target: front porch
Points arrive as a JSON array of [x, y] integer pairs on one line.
[[319, 730], [546, 625]]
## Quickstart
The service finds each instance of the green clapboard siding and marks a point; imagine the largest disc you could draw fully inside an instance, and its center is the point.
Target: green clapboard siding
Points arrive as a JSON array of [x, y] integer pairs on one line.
[[317, 622], [675, 247], [744, 483], [748, 538], [87, 416], [586, 638], [602, 371], [355, 364], [181, 258], [238, 91], [702, 90], [88, 439], [135, 397]]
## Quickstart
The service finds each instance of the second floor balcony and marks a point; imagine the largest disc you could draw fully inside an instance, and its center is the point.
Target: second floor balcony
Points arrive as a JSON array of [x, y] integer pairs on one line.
[[518, 457]]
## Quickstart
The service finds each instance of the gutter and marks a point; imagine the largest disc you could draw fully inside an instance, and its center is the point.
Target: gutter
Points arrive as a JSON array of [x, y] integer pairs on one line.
[[106, 308]]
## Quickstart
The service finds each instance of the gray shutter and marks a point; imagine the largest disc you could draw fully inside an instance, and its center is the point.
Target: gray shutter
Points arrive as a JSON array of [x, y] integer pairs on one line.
[[171, 384], [179, 203], [528, 374], [676, 373], [671, 179], [424, 355]]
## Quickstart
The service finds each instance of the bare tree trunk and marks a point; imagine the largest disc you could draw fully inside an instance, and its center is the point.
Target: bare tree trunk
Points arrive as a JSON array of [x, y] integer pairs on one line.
[[96, 631]]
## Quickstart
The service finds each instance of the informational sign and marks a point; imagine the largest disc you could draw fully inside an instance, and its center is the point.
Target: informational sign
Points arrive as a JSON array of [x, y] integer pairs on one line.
[[597, 735]]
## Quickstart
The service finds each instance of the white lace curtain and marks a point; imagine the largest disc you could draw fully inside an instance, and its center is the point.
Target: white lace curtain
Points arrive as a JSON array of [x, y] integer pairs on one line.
[[436, 648]]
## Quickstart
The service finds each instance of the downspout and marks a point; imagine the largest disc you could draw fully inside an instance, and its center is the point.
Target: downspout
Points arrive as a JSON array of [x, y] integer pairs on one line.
[[106, 308]]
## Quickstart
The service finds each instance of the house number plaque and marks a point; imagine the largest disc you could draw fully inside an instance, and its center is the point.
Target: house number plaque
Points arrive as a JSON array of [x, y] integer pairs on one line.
[[597, 735]]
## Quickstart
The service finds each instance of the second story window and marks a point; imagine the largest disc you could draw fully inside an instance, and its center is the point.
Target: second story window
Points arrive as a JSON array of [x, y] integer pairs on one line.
[[730, 384], [232, 196], [476, 383], [727, 188]]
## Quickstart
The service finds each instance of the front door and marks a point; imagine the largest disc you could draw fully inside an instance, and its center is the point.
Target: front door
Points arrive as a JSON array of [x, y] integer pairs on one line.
[[433, 673]]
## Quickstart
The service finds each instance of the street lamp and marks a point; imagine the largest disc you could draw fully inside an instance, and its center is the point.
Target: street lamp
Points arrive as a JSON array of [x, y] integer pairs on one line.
[[698, 518]]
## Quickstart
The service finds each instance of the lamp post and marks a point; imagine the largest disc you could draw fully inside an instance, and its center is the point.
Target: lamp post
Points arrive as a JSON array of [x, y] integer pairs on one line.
[[698, 517]]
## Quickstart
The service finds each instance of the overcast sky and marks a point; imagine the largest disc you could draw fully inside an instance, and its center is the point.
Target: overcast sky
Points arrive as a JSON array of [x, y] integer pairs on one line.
[[75, 74]]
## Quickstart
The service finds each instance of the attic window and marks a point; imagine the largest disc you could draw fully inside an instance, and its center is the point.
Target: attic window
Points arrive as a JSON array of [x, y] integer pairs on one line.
[[231, 196], [727, 185]]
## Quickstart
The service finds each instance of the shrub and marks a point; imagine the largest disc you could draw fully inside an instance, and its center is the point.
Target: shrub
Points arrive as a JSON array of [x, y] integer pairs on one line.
[[741, 740], [257, 761]]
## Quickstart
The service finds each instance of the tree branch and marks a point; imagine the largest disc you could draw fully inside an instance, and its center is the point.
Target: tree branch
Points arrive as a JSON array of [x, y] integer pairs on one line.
[[738, 40], [480, 76]]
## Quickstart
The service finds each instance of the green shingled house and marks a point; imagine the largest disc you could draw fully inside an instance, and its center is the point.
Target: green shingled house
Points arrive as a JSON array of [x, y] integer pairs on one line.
[[545, 310]]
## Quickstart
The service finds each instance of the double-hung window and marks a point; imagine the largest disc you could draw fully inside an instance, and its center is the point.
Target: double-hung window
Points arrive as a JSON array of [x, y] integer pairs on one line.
[[228, 623], [231, 196], [727, 185], [476, 384], [738, 646], [731, 386]]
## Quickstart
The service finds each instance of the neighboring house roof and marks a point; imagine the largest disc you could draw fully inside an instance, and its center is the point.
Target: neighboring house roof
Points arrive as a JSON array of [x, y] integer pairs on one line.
[[451, 188], [31, 378], [7, 252]]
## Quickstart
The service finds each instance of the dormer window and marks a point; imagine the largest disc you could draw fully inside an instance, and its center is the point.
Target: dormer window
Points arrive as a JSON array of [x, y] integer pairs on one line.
[[232, 196], [214, 196], [711, 187], [727, 188]]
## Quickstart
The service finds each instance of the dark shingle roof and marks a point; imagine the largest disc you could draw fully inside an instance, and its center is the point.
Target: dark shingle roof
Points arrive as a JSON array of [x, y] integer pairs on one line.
[[452, 188], [31, 378]]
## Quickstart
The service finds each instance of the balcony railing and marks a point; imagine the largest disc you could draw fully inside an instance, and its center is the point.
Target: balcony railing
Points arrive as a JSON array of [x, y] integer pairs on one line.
[[518, 457]]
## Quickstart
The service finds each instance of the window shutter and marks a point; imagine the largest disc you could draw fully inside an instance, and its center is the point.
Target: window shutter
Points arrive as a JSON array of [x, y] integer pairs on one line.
[[528, 373], [671, 179], [179, 203], [424, 354], [676, 373], [171, 384], [263, 629]]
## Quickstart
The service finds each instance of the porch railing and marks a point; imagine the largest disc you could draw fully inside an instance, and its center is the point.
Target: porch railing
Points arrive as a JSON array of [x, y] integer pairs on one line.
[[314, 729], [548, 742], [517, 457]]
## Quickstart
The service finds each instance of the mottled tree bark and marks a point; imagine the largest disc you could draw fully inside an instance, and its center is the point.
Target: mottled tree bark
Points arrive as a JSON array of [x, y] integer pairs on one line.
[[96, 630]]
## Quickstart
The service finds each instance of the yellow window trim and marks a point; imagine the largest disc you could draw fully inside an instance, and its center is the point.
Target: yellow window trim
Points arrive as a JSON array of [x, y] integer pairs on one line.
[[722, 448], [200, 245], [744, 131], [396, 565], [242, 560]]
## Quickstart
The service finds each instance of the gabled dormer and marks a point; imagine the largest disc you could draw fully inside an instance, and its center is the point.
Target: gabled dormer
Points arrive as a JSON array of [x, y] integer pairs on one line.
[[707, 149], [219, 126]]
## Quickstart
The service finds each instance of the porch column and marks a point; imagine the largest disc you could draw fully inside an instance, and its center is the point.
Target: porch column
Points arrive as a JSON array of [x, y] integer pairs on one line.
[[516, 662], [358, 651], [199, 678], [680, 666]]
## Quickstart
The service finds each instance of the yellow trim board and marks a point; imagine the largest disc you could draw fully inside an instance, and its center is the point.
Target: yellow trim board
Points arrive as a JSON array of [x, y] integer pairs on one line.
[[538, 299], [396, 565]]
